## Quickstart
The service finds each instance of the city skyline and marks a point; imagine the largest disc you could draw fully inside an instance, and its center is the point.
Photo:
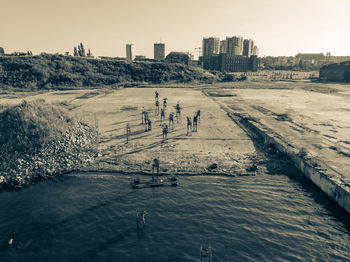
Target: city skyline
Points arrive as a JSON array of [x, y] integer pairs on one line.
[[279, 28]]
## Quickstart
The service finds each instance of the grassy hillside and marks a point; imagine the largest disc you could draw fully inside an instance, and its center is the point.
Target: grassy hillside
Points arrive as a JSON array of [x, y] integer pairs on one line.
[[52, 71]]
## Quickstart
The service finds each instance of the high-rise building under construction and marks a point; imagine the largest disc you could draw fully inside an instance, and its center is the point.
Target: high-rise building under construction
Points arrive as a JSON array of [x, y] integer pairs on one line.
[[211, 46]]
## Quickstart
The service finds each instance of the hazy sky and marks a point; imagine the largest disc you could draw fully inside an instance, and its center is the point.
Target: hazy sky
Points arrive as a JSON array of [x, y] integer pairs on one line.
[[278, 27]]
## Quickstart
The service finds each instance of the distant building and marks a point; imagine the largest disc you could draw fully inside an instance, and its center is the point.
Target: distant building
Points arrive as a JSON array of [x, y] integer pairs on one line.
[[140, 58], [232, 63], [130, 52], [248, 47], [178, 57], [234, 45], [223, 47], [210, 46], [339, 72], [159, 51], [255, 51]]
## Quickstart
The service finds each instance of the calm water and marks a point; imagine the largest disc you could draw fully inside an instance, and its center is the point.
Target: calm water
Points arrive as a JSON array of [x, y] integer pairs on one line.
[[91, 217]]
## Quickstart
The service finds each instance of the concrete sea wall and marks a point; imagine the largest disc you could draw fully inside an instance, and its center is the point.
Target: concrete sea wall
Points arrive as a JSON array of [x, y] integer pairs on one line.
[[327, 179]]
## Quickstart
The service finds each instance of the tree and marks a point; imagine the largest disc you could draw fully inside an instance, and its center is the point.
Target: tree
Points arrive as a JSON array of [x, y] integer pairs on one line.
[[81, 49], [89, 54], [75, 51], [2, 52]]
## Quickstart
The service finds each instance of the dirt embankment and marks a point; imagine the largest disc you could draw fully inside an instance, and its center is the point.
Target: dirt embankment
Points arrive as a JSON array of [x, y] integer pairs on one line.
[[39, 141]]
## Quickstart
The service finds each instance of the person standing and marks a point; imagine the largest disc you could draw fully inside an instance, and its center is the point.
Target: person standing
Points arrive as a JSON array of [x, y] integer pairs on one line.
[[189, 125], [128, 132]]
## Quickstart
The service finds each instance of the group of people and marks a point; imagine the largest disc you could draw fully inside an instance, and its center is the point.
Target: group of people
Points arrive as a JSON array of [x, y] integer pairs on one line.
[[192, 125], [165, 127]]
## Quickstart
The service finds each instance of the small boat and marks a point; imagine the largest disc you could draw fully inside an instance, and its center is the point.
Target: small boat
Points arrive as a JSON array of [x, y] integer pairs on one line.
[[137, 181], [174, 183], [173, 178], [156, 183]]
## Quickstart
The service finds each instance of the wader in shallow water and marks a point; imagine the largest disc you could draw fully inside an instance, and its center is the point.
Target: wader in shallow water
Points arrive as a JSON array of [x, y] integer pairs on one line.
[[164, 102], [155, 166], [140, 219], [156, 95], [128, 132], [189, 125]]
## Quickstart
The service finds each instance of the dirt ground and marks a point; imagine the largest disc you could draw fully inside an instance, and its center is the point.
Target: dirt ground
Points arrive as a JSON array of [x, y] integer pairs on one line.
[[218, 139], [313, 117]]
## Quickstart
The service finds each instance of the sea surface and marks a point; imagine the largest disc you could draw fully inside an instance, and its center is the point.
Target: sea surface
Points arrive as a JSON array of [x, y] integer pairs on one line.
[[92, 217]]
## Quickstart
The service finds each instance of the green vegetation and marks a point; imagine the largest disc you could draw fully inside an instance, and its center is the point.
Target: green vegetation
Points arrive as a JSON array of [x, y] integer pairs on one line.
[[39, 140], [56, 71]]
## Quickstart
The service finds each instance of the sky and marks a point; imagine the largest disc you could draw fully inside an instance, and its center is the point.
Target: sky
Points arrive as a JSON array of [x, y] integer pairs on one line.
[[278, 27]]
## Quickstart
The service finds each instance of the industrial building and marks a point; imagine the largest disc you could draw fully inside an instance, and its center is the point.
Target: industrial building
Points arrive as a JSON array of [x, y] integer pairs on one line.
[[339, 72], [159, 51], [232, 63]]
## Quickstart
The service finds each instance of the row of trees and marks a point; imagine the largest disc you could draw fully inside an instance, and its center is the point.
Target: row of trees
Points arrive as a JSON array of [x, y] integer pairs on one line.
[[80, 51]]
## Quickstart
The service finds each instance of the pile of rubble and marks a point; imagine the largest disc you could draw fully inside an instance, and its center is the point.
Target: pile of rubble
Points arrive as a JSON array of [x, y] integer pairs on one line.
[[69, 151]]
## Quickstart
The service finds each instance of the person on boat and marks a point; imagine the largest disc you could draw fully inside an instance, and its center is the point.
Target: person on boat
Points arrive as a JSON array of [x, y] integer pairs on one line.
[[155, 166], [189, 125]]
